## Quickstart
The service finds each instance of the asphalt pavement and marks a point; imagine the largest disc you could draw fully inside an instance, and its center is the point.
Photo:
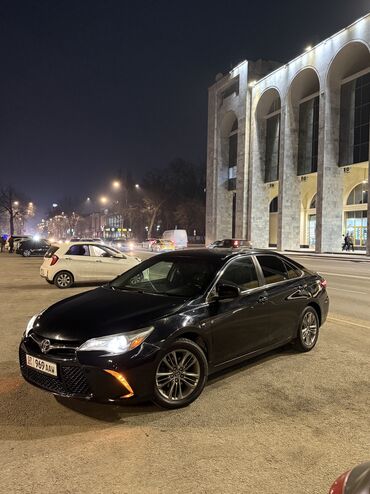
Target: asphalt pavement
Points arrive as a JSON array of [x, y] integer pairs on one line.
[[286, 423]]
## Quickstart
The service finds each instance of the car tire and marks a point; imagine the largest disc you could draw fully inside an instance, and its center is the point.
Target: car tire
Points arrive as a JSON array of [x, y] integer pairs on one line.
[[26, 253], [181, 375], [308, 330], [63, 279]]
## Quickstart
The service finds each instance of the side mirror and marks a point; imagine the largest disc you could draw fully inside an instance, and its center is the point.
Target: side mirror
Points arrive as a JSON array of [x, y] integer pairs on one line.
[[226, 291]]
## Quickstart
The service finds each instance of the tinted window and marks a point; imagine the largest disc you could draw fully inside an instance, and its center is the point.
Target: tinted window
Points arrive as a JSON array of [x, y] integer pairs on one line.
[[51, 251], [241, 273], [78, 250], [292, 271], [273, 269], [178, 276]]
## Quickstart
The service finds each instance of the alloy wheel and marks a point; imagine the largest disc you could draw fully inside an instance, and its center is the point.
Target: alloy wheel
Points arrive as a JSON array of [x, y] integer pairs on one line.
[[309, 329], [178, 375]]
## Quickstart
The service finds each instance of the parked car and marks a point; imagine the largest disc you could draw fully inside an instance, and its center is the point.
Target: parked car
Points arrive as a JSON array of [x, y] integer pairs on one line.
[[355, 481], [178, 237], [161, 245], [76, 262], [230, 243], [33, 247], [17, 240], [160, 329]]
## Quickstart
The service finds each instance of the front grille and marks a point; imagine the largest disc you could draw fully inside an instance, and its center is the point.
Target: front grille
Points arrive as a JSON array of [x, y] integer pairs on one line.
[[71, 378], [75, 380]]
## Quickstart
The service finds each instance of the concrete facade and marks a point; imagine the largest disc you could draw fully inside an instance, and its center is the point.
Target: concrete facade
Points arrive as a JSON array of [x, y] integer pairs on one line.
[[267, 106]]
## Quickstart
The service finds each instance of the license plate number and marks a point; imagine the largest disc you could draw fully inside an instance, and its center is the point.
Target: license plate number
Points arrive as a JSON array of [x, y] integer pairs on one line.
[[42, 365]]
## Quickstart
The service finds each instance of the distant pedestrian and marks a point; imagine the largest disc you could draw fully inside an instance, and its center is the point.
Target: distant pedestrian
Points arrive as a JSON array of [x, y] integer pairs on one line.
[[351, 243], [345, 242], [2, 244], [11, 245]]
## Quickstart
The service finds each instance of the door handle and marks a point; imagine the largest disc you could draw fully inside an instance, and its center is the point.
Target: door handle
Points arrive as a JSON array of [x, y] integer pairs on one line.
[[262, 299]]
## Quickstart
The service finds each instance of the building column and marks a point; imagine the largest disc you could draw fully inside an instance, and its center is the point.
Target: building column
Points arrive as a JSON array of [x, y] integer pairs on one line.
[[211, 182], [258, 214], [289, 220], [329, 204]]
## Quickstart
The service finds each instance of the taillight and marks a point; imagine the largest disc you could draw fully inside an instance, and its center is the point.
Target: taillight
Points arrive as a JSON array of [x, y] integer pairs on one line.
[[54, 260], [323, 283]]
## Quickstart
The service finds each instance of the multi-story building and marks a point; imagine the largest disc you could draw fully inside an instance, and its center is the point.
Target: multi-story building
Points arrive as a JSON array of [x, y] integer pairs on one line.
[[288, 152]]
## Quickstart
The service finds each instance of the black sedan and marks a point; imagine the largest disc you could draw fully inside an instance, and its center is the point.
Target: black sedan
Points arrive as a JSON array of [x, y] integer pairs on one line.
[[33, 248], [157, 331]]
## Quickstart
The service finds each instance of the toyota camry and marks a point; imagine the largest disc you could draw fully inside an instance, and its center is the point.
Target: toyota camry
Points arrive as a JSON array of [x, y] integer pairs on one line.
[[160, 329]]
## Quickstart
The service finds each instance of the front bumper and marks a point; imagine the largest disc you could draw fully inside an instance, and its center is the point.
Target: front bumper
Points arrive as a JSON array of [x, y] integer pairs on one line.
[[97, 378]]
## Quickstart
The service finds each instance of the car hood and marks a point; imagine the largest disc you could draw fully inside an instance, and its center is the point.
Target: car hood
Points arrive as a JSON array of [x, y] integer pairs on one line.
[[101, 312]]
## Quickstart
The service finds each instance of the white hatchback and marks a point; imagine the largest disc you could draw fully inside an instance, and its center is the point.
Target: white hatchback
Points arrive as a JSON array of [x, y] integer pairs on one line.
[[76, 262]]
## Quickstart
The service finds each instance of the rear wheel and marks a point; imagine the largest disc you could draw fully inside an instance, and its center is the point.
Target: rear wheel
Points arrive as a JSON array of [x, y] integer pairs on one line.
[[63, 279], [308, 330], [181, 375], [26, 253]]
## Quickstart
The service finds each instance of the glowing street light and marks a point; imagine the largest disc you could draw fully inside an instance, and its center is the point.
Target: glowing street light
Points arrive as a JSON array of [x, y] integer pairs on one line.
[[16, 203], [116, 184], [103, 200], [137, 186]]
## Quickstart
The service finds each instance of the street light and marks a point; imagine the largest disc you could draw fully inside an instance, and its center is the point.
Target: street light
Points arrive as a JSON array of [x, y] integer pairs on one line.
[[137, 186], [116, 184], [103, 200], [16, 203]]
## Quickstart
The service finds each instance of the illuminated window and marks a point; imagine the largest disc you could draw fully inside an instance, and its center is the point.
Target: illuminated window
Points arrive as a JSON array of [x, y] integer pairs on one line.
[[358, 195]]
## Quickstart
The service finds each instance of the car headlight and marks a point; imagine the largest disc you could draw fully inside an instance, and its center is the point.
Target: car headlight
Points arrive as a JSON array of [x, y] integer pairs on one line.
[[117, 343], [30, 324]]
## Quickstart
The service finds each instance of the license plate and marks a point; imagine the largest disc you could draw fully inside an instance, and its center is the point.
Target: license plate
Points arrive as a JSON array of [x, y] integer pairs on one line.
[[42, 365]]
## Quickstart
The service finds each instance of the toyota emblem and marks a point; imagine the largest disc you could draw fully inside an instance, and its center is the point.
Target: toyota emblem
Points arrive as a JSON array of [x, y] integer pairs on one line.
[[45, 346]]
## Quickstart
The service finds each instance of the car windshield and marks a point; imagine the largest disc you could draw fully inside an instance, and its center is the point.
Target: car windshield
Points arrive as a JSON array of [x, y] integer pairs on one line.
[[175, 276]]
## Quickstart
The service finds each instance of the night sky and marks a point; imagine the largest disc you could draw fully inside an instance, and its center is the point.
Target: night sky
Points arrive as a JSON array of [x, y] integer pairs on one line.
[[89, 87]]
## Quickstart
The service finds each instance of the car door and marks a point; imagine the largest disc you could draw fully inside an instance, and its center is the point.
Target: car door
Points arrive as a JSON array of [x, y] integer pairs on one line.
[[239, 326], [286, 296], [79, 262], [107, 266]]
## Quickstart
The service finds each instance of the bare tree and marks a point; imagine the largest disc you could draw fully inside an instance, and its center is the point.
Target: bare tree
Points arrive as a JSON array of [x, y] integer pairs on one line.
[[12, 206]]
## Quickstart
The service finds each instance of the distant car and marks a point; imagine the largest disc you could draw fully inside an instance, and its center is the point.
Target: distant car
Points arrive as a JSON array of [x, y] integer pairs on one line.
[[32, 247], [161, 245], [355, 481], [148, 243], [230, 243], [76, 262], [123, 244], [158, 331], [178, 237]]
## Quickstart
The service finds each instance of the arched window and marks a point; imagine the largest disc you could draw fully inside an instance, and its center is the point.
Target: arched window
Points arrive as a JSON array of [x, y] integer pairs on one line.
[[359, 194], [313, 202], [274, 204]]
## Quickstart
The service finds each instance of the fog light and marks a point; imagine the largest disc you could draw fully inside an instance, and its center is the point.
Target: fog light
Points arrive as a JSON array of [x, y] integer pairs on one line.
[[122, 380]]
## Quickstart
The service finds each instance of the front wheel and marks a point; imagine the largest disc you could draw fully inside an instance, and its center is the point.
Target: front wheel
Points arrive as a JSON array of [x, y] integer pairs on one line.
[[26, 253], [63, 279], [181, 375], [308, 330]]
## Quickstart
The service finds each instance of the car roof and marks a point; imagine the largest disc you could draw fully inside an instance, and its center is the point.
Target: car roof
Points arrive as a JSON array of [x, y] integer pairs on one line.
[[220, 254]]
